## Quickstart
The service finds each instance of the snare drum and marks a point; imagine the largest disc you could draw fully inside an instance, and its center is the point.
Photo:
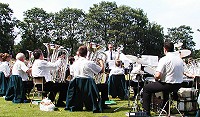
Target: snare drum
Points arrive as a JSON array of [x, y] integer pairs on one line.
[[150, 79]]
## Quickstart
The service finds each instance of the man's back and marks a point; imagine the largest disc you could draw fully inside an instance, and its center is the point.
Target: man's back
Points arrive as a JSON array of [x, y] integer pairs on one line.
[[171, 67]]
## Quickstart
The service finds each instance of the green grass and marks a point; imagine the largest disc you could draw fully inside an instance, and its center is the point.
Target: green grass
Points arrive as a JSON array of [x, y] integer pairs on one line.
[[9, 109]]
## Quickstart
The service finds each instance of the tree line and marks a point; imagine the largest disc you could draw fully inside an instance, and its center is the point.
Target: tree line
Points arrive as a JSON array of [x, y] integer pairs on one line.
[[104, 23]]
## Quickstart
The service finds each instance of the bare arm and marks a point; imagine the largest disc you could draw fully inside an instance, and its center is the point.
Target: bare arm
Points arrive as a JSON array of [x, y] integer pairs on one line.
[[157, 76]]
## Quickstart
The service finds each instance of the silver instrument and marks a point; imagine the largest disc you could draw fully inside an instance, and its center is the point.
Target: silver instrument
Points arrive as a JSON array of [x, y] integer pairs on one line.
[[96, 52], [59, 74]]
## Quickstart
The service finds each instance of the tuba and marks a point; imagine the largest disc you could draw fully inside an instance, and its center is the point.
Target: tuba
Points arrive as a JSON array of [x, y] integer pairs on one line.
[[95, 53], [53, 52]]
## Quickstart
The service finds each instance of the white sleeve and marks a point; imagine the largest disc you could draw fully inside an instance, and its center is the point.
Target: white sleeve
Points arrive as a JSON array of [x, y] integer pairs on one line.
[[24, 67], [7, 71], [161, 66], [50, 65], [94, 67]]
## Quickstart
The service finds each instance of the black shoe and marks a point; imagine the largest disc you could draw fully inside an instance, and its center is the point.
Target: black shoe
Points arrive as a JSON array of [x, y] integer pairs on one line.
[[60, 104], [27, 101], [106, 107]]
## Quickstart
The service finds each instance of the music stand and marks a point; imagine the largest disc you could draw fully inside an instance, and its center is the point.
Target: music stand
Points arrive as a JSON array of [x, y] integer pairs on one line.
[[128, 90]]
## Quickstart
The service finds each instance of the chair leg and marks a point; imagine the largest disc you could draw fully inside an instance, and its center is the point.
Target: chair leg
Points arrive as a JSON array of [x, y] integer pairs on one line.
[[169, 108]]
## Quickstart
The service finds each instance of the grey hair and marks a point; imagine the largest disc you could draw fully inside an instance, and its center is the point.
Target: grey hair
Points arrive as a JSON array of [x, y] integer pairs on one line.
[[19, 55]]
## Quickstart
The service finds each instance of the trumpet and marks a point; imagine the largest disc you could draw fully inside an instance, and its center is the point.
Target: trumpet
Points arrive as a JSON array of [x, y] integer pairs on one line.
[[59, 74]]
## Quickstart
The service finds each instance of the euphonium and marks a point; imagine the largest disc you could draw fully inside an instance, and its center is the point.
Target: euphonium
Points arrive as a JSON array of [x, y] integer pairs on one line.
[[96, 52], [58, 75]]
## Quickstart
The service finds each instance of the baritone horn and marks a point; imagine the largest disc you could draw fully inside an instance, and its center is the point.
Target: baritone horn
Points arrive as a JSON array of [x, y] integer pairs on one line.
[[53, 52], [96, 53]]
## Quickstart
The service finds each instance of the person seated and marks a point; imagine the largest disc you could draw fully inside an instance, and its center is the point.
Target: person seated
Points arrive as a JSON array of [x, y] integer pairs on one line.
[[4, 67], [83, 67], [1, 60], [117, 69], [42, 68], [168, 76], [20, 69]]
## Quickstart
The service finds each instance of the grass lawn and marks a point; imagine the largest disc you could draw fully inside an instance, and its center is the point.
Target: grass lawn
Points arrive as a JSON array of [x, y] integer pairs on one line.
[[7, 108]]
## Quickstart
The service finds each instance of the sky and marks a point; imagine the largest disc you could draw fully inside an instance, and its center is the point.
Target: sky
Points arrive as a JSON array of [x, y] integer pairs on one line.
[[167, 13]]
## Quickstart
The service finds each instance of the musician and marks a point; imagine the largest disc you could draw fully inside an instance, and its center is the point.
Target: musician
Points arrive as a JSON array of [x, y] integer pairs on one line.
[[4, 67], [168, 76], [189, 72], [1, 60], [85, 68], [71, 61], [111, 54], [111, 57], [19, 68], [117, 69], [42, 68]]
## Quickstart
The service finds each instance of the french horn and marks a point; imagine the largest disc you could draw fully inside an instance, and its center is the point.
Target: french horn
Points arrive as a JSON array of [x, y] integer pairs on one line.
[[53, 52]]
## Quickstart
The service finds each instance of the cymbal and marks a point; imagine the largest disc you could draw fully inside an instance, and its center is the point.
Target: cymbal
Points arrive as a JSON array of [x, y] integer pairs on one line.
[[136, 59], [184, 53]]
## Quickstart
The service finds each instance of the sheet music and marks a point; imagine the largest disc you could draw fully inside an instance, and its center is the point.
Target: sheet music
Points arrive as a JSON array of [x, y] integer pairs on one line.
[[151, 60]]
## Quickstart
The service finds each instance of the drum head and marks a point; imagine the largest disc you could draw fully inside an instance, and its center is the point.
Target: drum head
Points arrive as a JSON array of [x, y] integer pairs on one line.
[[150, 79]]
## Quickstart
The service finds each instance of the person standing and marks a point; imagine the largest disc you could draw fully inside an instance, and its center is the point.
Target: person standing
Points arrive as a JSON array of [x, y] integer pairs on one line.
[[168, 76]]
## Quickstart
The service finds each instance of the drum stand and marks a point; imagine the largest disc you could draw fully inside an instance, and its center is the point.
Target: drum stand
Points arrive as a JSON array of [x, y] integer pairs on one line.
[[136, 105], [128, 90]]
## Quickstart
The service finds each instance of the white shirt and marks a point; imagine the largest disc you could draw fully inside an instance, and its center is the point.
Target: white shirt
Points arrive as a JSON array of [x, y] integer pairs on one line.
[[4, 67], [43, 68], [84, 68], [19, 68], [108, 53], [171, 68], [116, 71]]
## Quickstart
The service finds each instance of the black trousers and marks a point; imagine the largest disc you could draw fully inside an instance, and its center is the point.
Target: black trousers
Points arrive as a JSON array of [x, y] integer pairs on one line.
[[28, 86], [155, 87], [103, 88], [55, 88]]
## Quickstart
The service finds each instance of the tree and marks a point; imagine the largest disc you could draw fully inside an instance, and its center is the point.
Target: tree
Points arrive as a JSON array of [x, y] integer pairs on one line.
[[35, 29], [154, 39], [69, 27], [7, 25], [99, 21], [128, 28], [182, 34]]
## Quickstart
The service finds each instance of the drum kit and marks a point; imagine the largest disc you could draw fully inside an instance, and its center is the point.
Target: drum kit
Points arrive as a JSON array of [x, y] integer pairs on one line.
[[148, 69]]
